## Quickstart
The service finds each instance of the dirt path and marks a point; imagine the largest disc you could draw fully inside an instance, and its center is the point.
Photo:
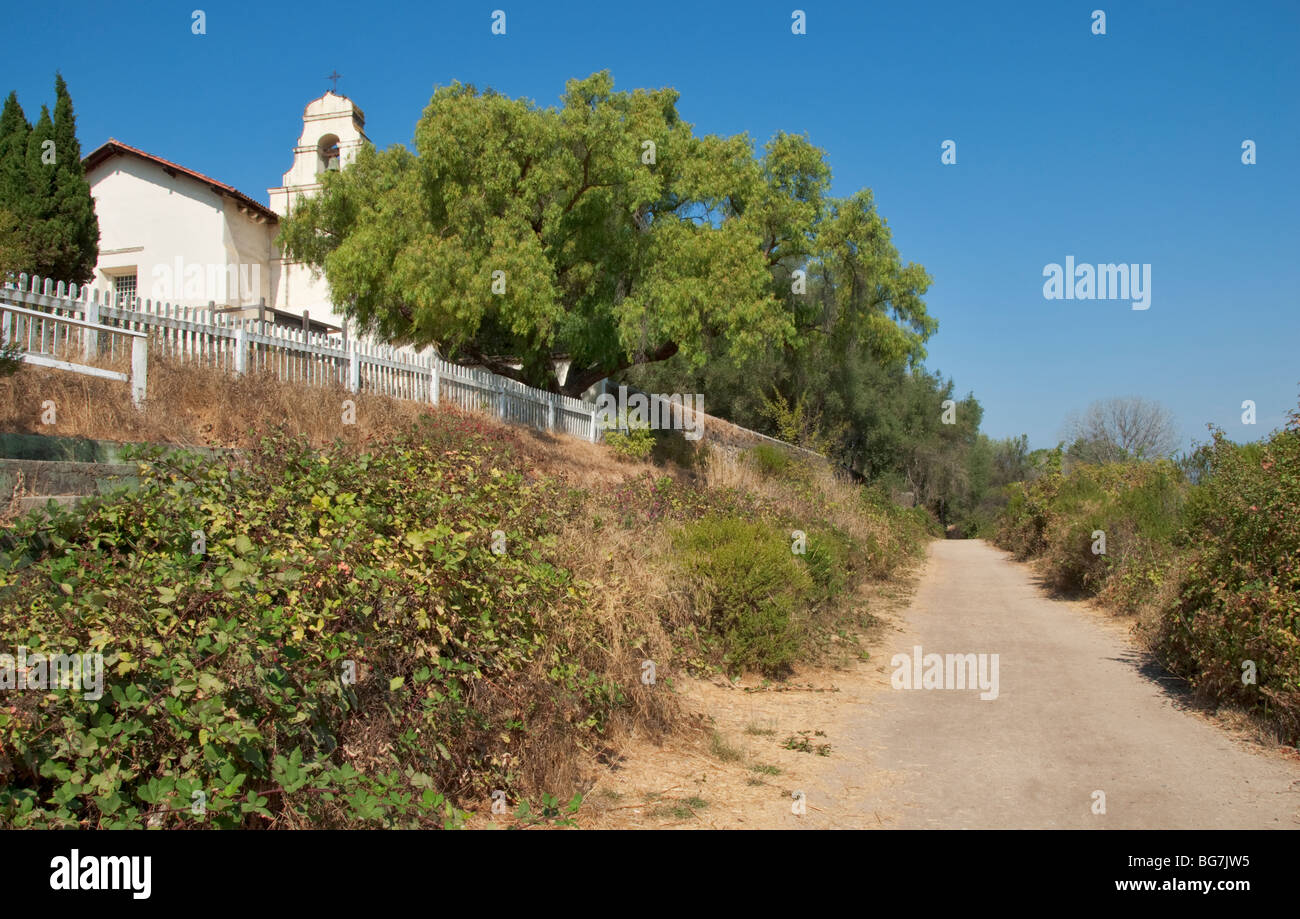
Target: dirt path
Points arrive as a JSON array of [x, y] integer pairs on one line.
[[1075, 714]]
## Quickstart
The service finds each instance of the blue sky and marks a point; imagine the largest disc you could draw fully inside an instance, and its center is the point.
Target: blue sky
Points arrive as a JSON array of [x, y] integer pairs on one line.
[[1117, 148]]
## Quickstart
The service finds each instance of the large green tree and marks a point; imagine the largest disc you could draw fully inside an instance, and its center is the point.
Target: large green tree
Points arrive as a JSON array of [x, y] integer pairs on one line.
[[854, 366], [14, 131], [15, 253], [74, 207], [44, 192], [604, 232], [39, 211]]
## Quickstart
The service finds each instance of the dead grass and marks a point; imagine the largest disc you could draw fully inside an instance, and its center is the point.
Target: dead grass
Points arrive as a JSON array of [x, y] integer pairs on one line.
[[189, 405]]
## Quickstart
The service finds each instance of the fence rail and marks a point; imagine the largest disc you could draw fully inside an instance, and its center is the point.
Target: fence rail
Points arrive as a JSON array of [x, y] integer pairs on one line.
[[48, 340], [50, 313], [55, 319]]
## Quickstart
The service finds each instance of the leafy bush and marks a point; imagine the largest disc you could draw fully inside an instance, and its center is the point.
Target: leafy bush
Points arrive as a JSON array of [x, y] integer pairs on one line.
[[11, 358], [630, 442], [829, 559], [227, 669], [770, 460], [799, 423], [1241, 591], [898, 536], [750, 589], [1137, 506]]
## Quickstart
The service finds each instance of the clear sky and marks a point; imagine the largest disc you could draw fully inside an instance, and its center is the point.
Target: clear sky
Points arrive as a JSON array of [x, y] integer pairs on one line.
[[1123, 147]]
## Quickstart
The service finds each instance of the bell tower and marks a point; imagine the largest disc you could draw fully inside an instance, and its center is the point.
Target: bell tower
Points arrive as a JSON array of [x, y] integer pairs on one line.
[[333, 130]]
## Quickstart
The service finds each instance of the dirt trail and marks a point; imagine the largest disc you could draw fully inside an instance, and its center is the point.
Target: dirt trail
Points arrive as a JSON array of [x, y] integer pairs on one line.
[[1076, 713]]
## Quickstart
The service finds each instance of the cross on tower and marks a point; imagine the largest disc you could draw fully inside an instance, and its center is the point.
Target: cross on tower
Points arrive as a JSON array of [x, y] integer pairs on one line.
[[335, 76]]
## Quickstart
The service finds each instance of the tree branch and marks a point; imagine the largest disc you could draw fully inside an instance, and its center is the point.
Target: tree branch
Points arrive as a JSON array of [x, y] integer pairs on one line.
[[497, 365], [576, 384]]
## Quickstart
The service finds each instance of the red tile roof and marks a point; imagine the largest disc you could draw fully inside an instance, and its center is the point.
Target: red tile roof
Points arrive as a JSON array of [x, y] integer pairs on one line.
[[115, 148]]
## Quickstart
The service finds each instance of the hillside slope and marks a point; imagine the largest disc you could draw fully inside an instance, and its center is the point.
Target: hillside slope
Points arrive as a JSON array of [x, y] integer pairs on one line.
[[387, 622]]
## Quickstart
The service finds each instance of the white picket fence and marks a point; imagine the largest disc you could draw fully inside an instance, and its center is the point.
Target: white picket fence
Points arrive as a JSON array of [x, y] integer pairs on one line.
[[51, 322], [45, 340]]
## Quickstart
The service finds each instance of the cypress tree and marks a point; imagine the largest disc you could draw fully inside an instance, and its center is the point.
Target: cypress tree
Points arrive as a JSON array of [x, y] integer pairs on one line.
[[75, 208], [49, 213], [46, 234], [13, 246], [14, 131]]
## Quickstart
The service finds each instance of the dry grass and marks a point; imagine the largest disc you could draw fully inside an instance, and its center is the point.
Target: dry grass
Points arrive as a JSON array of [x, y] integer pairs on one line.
[[190, 405], [194, 406]]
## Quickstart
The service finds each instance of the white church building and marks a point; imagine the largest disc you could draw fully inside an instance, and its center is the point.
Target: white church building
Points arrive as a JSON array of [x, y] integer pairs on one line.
[[170, 234]]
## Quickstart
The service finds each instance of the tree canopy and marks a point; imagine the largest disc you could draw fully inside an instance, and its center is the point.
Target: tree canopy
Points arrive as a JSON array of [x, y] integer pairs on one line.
[[605, 233]]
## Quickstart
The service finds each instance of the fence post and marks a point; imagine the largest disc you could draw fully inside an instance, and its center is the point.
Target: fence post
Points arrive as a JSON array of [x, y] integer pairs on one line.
[[501, 399], [593, 426], [354, 368], [434, 384], [241, 350], [90, 337], [550, 412], [139, 370]]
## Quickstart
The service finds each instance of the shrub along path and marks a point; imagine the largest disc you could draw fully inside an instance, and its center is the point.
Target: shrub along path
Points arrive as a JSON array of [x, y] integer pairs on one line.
[[1078, 711]]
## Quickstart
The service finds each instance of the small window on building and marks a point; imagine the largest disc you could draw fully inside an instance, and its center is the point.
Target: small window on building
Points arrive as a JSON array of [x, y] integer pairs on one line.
[[124, 287]]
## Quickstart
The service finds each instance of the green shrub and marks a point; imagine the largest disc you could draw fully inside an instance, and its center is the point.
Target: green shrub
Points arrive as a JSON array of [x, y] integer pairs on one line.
[[1218, 561], [1137, 506], [11, 358], [227, 669], [899, 535], [829, 559], [770, 460], [750, 588], [1240, 598], [630, 442]]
